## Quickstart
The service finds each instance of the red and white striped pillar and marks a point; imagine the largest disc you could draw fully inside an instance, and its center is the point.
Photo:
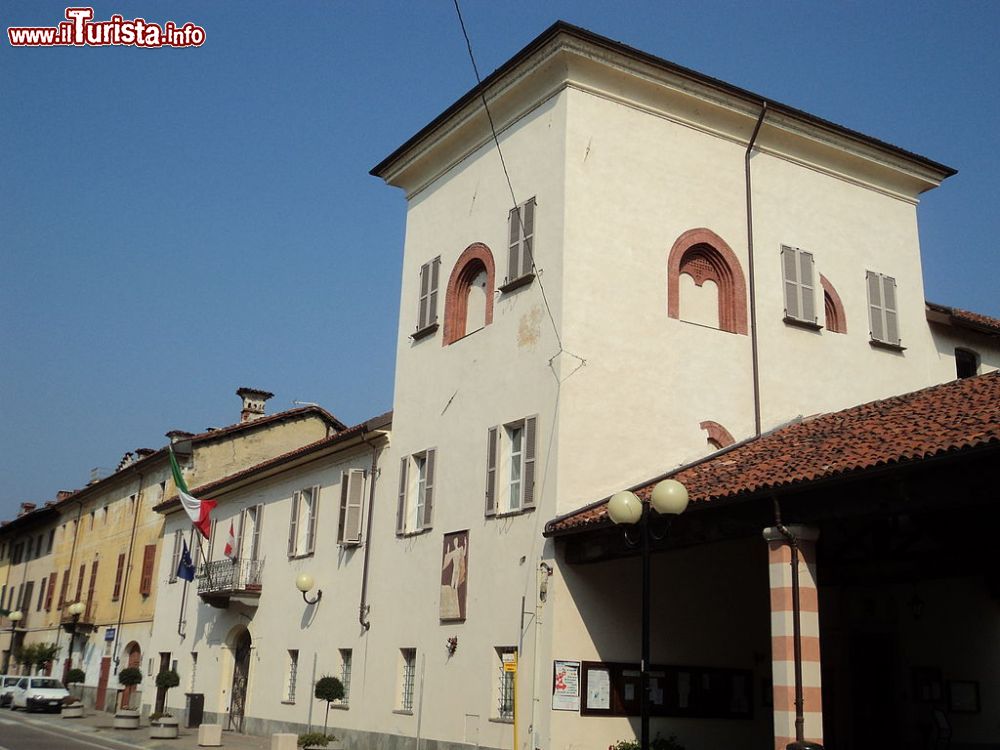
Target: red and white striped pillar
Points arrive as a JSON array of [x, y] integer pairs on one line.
[[779, 559]]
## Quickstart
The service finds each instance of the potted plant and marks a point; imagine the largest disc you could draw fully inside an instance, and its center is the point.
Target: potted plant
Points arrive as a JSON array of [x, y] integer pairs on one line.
[[72, 707], [125, 718], [328, 689], [163, 726], [315, 740]]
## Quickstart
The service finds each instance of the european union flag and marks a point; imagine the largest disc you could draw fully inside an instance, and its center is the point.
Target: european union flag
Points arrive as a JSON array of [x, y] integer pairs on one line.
[[185, 568]]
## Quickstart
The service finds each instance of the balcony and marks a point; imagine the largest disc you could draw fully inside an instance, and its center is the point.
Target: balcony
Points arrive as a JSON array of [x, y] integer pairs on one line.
[[83, 624], [223, 581]]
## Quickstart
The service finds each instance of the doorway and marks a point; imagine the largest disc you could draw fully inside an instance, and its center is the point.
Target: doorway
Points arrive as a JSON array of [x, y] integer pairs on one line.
[[241, 674]]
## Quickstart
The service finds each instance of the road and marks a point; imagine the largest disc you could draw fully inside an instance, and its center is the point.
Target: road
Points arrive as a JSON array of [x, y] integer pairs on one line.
[[17, 733]]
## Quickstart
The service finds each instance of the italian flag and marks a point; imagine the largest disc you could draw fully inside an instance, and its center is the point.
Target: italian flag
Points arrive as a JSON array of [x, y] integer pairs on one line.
[[198, 510]]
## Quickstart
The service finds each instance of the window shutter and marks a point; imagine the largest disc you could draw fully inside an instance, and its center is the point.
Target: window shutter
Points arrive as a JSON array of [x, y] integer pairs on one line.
[[354, 497], [432, 295], [241, 530], [258, 519], [425, 280], [425, 522], [401, 504], [91, 588], [313, 517], [528, 236], [514, 245], [146, 579], [789, 269], [491, 472], [889, 304], [293, 524], [528, 480], [211, 539], [175, 557], [875, 314], [344, 480], [41, 595], [119, 572], [807, 287], [51, 592], [79, 582]]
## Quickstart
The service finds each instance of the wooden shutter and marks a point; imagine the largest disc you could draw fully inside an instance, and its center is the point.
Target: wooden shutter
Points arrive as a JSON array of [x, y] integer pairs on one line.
[[312, 521], [807, 286], [258, 520], [79, 582], [797, 268], [432, 295], [51, 592], [401, 501], [293, 523], [514, 245], [875, 313], [146, 579], [90, 589], [521, 221], [41, 595], [175, 557], [528, 236], [353, 498], [211, 539], [889, 306], [425, 522], [528, 476], [241, 530], [343, 506], [425, 280], [491, 471], [119, 572]]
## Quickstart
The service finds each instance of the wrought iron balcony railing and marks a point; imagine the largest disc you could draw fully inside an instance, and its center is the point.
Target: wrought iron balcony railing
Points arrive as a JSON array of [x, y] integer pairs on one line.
[[225, 578]]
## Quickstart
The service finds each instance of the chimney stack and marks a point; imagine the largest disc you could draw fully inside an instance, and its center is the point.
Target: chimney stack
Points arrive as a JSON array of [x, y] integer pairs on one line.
[[26, 508], [253, 403]]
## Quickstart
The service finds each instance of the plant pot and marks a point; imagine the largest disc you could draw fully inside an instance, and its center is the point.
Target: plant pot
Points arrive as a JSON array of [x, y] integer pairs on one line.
[[164, 728], [73, 711], [126, 719]]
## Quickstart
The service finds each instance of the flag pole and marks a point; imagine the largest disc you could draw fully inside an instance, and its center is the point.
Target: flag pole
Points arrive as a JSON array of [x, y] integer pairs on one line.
[[181, 619]]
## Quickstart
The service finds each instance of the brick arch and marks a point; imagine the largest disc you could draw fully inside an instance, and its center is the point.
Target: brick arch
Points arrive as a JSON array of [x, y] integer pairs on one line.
[[717, 434], [705, 256], [475, 258], [833, 308]]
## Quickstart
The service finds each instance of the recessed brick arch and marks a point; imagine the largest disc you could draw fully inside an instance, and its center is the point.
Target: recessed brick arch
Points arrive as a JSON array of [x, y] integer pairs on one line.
[[717, 434], [833, 308], [705, 256], [476, 258]]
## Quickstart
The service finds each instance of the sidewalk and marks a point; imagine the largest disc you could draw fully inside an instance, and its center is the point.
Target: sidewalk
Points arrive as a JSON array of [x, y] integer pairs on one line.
[[98, 726]]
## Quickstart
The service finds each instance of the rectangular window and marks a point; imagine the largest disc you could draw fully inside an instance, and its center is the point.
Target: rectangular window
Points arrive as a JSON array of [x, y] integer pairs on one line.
[[966, 363], [293, 668], [18, 551], [302, 523], [407, 677], [510, 467], [521, 226], [251, 523], [175, 556], [427, 309], [352, 492], [415, 502], [50, 594], [345, 674], [52, 541], [31, 548], [146, 578], [119, 573], [40, 545], [65, 589], [882, 314], [506, 673], [90, 589], [798, 272]]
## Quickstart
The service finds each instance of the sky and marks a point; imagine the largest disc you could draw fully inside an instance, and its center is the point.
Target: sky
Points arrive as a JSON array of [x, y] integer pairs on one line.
[[177, 223]]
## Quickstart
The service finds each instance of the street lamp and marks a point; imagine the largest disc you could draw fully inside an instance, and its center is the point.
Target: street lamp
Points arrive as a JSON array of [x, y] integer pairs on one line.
[[304, 583], [669, 498], [75, 610], [14, 617]]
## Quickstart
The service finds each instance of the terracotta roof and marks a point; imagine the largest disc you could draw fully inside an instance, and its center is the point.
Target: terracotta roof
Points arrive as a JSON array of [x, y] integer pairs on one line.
[[942, 419], [964, 318], [375, 423]]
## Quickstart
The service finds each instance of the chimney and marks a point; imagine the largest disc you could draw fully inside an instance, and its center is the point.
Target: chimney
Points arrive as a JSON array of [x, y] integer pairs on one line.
[[63, 494], [26, 508], [253, 403]]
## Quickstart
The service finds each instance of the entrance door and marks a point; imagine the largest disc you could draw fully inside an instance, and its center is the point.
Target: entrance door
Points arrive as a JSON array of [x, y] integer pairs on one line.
[[134, 660], [241, 673], [102, 683], [161, 693], [874, 691]]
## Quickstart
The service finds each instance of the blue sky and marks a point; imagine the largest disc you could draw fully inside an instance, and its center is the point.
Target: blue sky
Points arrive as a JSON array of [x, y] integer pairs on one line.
[[180, 222]]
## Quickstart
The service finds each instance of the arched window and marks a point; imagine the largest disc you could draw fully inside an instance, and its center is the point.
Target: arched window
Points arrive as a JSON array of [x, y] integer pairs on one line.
[[718, 436], [468, 304], [836, 318], [702, 256]]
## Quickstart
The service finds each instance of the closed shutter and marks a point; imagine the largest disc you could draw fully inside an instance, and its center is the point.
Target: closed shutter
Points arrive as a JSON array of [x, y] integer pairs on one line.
[[425, 522], [90, 589], [119, 572], [514, 258], [875, 314], [258, 521], [491, 472], [241, 531], [521, 222], [807, 287], [401, 502], [312, 520], [175, 557], [41, 595], [432, 294], [51, 592], [79, 582], [889, 305], [800, 290], [293, 523], [211, 540], [528, 480], [354, 497], [527, 240], [146, 579], [422, 309]]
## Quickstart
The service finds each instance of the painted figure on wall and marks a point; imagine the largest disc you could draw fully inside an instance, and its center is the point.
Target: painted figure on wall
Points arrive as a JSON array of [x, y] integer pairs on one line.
[[454, 565]]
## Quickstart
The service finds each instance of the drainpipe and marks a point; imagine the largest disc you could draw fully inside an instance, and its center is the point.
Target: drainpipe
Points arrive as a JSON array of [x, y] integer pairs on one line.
[[363, 607], [128, 570], [753, 297]]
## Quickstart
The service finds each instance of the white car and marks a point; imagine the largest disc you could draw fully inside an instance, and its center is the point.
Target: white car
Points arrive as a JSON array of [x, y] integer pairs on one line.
[[44, 693], [7, 683]]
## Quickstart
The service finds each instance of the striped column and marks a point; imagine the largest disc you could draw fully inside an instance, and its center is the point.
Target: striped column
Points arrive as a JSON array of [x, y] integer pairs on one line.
[[782, 641]]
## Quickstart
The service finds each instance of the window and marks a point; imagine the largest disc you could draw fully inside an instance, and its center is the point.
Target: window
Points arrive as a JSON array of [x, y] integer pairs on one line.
[[146, 579], [18, 551], [293, 668], [175, 556], [521, 234], [41, 595], [798, 272], [407, 676], [702, 256], [833, 308], [31, 548], [427, 317], [251, 524], [882, 313], [510, 467], [52, 540], [506, 674], [345, 674], [79, 583], [51, 592], [468, 302], [119, 572], [415, 506], [966, 363], [39, 545], [302, 523], [65, 588], [352, 492], [90, 589]]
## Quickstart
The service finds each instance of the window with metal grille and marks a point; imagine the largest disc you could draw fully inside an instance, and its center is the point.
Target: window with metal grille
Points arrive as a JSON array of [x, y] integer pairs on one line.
[[345, 674], [293, 668], [506, 663], [408, 672]]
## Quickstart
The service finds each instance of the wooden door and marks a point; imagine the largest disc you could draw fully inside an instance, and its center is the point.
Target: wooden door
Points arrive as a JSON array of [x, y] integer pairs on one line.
[[241, 674]]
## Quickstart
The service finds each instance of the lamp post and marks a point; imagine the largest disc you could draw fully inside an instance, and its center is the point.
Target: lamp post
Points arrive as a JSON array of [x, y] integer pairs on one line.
[[75, 610], [304, 583], [14, 617], [669, 498]]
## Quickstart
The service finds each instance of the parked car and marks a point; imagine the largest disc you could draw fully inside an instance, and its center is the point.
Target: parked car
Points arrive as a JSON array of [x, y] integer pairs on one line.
[[38, 693], [7, 683]]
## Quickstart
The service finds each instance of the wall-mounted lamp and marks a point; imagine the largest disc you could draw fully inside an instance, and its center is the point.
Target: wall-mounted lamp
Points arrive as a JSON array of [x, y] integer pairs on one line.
[[304, 583], [15, 617], [452, 645]]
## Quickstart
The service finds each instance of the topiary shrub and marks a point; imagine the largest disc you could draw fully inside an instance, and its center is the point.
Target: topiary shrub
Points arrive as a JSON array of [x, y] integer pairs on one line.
[[75, 676], [130, 676], [328, 689], [315, 739]]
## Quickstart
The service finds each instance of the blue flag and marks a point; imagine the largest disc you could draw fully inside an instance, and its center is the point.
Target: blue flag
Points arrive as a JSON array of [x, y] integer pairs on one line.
[[185, 568]]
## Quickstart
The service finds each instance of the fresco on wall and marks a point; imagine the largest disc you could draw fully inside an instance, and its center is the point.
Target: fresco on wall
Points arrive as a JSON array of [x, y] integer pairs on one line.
[[454, 578]]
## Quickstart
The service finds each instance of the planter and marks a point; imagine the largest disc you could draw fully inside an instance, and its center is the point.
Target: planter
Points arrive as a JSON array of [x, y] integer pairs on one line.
[[164, 728], [73, 711], [126, 720]]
